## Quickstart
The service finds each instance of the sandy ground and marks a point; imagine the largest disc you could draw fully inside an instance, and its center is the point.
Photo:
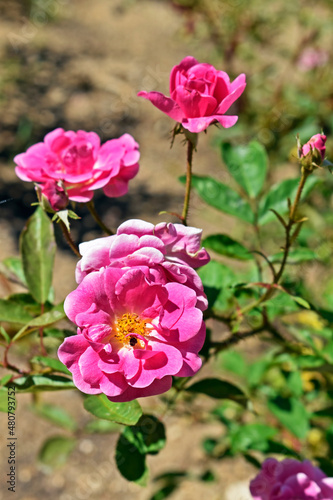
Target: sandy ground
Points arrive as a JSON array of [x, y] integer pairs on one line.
[[79, 64]]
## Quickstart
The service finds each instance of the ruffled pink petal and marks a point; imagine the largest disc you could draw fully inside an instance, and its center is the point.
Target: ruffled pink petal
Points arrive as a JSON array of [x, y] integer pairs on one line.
[[194, 104], [116, 188], [88, 304], [163, 103], [191, 365], [163, 360], [136, 294], [88, 363], [230, 99], [197, 125], [137, 227], [238, 82], [180, 314], [113, 384], [123, 245], [157, 387], [95, 255], [180, 69]]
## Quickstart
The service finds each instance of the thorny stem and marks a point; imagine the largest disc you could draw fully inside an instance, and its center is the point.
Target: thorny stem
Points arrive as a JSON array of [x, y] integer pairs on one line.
[[69, 239], [97, 218], [288, 244], [8, 365], [190, 148]]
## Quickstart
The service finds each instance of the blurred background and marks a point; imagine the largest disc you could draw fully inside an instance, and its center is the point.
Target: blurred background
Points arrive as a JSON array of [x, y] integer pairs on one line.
[[79, 65]]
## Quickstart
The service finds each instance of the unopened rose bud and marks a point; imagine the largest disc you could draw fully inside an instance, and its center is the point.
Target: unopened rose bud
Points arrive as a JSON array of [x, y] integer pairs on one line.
[[313, 152], [56, 195]]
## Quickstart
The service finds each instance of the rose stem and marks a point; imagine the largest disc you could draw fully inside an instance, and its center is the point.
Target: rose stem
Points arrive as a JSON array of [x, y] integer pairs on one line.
[[190, 148], [69, 240], [99, 221]]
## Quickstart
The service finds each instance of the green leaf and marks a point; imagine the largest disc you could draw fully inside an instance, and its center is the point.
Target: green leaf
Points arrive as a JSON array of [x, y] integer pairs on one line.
[[5, 335], [295, 256], [102, 426], [247, 165], [251, 436], [278, 195], [46, 319], [165, 491], [35, 383], [56, 415], [38, 247], [217, 279], [292, 414], [280, 448], [218, 389], [5, 405], [13, 312], [324, 412], [234, 362], [122, 413], [52, 363], [56, 450], [222, 197], [148, 435], [5, 379], [224, 245], [130, 462], [12, 268]]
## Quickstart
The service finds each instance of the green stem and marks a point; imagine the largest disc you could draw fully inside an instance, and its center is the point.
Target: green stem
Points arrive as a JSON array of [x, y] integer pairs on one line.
[[190, 148], [69, 239], [288, 244], [97, 218], [41, 331]]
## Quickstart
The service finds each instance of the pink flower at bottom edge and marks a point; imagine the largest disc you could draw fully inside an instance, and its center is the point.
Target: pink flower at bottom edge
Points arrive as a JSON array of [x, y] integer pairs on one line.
[[133, 336], [291, 480]]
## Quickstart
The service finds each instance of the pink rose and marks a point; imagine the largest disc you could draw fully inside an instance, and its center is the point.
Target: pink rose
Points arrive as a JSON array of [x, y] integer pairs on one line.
[[133, 334], [291, 480], [78, 160], [199, 95], [55, 195], [317, 142], [167, 252]]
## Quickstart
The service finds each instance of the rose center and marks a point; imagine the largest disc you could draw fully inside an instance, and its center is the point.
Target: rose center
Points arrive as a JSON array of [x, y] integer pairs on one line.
[[128, 327]]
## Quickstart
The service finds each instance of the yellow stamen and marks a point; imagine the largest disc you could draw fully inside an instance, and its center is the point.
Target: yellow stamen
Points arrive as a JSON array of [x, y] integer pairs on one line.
[[128, 324]]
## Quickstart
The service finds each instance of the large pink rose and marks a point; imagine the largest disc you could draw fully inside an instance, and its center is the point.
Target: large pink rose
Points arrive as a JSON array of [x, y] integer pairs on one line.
[[78, 160], [133, 334], [291, 480], [167, 252], [199, 95]]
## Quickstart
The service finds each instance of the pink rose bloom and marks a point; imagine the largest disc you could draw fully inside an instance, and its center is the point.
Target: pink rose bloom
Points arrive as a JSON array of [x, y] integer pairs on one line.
[[291, 480], [133, 334], [55, 194], [316, 142], [166, 252], [199, 95], [81, 163]]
